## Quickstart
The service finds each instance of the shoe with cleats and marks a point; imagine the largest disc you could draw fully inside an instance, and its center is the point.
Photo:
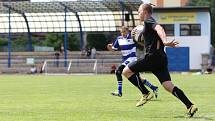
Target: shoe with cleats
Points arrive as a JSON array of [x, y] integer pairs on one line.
[[144, 99], [191, 111], [156, 92], [116, 94]]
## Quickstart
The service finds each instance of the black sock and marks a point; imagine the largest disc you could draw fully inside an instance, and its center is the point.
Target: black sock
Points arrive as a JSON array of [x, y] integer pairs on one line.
[[181, 96], [136, 81]]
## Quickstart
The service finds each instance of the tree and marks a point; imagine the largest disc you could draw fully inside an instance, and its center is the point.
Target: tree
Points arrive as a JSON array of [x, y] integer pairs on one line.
[[73, 41], [213, 22], [199, 2], [53, 40], [56, 39], [3, 42], [97, 40]]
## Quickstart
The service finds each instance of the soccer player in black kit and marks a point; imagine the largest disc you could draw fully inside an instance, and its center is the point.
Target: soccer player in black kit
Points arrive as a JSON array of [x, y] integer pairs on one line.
[[155, 60]]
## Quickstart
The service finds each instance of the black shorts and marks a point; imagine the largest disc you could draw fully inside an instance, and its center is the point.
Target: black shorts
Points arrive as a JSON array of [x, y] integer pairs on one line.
[[120, 69], [155, 63]]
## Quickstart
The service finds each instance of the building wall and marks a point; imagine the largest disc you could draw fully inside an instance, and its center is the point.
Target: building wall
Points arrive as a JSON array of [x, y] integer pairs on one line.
[[159, 3], [171, 3], [168, 3], [184, 2]]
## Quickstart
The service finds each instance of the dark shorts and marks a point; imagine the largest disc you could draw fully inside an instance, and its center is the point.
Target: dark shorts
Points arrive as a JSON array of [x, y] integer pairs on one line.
[[155, 63], [120, 69]]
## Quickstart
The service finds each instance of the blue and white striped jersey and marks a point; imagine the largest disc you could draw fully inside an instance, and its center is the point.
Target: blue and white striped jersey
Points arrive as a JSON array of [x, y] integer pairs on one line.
[[127, 47]]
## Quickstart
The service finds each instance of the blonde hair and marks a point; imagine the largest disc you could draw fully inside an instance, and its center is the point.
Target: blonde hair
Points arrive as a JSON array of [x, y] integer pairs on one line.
[[148, 8], [124, 28]]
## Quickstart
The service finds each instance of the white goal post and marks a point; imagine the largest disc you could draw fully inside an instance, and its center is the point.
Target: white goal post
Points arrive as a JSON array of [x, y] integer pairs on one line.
[[70, 66]]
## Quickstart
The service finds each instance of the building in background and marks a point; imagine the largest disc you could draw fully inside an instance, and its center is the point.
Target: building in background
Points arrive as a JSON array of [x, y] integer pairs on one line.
[[168, 3], [191, 26]]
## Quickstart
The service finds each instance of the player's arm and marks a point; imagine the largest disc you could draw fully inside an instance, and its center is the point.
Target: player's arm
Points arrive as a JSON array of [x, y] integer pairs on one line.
[[162, 35], [140, 44], [109, 47], [113, 47]]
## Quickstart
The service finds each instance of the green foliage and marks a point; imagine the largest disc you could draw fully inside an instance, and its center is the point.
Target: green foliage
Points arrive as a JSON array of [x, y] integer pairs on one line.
[[56, 39], [20, 40], [97, 40], [3, 42], [74, 41], [53, 40], [199, 2], [211, 4], [19, 43], [213, 22]]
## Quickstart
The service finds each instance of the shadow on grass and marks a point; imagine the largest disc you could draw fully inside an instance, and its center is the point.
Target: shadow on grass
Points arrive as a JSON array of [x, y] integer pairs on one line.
[[196, 117], [153, 100], [183, 117]]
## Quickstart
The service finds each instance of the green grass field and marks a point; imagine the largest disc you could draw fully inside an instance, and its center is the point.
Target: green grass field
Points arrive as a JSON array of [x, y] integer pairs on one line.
[[87, 98]]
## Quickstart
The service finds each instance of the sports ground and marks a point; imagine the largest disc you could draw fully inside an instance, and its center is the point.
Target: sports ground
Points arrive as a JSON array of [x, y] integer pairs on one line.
[[87, 98]]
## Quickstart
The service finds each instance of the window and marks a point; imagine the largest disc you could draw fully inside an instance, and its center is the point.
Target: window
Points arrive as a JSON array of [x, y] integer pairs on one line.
[[190, 29], [169, 29]]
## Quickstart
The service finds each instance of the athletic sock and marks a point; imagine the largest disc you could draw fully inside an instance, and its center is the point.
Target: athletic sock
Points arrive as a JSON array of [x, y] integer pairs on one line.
[[120, 87], [181, 96], [136, 81], [151, 86]]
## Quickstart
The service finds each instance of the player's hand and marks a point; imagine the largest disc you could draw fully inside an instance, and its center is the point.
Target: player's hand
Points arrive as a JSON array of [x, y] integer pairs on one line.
[[172, 43], [109, 47]]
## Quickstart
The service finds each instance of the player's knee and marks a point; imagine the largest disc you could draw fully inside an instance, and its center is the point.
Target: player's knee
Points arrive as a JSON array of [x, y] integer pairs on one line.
[[118, 72], [167, 89], [127, 72], [168, 86], [124, 72]]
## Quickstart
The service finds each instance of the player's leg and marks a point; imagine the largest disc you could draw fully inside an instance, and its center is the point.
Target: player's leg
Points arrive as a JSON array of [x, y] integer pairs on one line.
[[119, 81], [177, 92], [164, 78], [135, 79], [151, 86]]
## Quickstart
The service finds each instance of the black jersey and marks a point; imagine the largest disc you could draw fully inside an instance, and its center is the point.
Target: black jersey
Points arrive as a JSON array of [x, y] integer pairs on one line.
[[151, 37], [155, 59]]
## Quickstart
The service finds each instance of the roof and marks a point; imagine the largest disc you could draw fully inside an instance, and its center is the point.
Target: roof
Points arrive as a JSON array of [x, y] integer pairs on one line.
[[86, 6], [100, 15], [75, 6]]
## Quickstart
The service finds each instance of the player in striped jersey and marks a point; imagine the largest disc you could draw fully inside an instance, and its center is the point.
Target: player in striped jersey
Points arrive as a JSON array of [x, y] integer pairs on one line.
[[127, 46]]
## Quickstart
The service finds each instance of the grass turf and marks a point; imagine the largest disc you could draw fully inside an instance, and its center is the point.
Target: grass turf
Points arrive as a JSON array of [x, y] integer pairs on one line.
[[87, 98]]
